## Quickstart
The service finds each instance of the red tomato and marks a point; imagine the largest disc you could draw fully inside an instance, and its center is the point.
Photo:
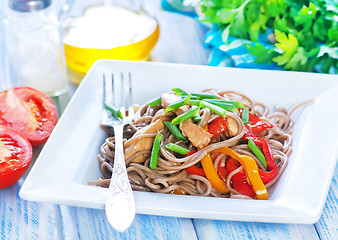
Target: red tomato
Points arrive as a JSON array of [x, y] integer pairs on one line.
[[244, 188], [29, 112], [15, 156], [217, 126]]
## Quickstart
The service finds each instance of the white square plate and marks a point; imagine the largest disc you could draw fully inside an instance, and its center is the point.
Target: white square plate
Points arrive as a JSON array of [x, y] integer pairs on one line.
[[68, 159]]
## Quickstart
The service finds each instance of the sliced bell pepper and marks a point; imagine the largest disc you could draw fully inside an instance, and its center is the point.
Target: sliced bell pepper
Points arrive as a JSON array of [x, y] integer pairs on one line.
[[244, 188], [218, 126], [265, 147], [257, 125], [212, 175], [194, 169], [251, 171], [231, 165]]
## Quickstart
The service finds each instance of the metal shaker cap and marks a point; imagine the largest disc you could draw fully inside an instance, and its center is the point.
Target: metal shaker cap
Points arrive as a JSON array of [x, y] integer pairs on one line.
[[28, 5]]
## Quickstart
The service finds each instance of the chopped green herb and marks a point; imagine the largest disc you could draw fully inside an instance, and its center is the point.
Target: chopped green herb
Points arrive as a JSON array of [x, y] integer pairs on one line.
[[154, 152]]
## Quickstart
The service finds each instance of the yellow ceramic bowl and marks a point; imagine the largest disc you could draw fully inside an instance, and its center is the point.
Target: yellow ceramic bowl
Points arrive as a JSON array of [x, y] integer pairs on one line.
[[79, 60]]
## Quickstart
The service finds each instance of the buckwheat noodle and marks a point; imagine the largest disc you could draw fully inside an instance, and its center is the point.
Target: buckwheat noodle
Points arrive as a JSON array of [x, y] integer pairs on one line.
[[170, 176]]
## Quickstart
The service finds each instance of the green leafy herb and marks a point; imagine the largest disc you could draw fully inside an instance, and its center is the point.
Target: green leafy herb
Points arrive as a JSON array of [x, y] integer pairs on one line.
[[305, 32]]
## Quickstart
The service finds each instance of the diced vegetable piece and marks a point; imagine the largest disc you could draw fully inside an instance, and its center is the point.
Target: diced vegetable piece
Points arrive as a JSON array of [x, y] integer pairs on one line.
[[245, 115], [197, 118], [177, 104], [212, 175], [218, 126], [258, 153], [177, 149], [218, 110], [227, 106], [189, 114], [115, 113], [155, 102], [194, 102], [154, 152], [175, 131], [179, 91], [204, 96]]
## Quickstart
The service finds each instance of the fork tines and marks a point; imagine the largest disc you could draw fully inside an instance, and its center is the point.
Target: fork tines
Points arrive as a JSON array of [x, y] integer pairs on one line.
[[117, 97]]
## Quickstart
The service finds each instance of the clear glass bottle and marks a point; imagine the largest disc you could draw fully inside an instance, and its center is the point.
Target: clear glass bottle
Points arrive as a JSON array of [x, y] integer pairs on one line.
[[34, 46]]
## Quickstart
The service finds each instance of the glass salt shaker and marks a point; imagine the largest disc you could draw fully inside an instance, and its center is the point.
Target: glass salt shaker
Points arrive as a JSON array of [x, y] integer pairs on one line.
[[34, 46]]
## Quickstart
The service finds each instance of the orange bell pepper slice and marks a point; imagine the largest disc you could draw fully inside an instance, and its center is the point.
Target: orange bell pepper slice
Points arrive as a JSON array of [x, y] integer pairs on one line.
[[251, 171], [212, 175]]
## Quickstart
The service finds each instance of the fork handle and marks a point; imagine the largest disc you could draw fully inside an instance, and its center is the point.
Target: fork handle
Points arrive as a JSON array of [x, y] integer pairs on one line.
[[120, 203]]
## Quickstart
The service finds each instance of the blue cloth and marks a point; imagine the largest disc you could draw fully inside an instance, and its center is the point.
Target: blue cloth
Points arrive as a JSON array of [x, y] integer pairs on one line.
[[234, 53]]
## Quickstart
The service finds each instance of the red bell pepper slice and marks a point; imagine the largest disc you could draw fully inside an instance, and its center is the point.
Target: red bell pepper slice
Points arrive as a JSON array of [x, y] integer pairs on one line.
[[193, 169], [218, 126], [244, 188], [232, 165], [257, 125]]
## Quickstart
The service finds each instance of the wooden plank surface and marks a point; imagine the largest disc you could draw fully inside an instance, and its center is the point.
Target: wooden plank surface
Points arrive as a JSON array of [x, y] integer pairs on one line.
[[327, 226]]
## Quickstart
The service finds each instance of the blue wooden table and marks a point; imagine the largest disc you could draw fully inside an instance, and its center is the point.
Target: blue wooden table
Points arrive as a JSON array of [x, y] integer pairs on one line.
[[180, 41]]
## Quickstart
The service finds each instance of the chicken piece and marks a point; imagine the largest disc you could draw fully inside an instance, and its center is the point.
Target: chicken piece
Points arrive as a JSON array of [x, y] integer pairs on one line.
[[196, 134], [232, 129], [143, 143]]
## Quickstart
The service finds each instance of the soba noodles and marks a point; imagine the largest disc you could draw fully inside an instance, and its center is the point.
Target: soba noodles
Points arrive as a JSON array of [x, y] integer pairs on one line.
[[171, 174]]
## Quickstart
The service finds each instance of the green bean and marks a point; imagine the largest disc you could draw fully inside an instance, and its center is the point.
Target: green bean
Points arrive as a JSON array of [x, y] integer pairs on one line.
[[177, 149], [175, 131], [218, 110], [258, 153], [177, 104], [154, 152], [189, 114]]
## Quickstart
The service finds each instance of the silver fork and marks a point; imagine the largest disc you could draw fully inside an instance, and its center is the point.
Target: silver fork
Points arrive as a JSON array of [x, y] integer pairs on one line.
[[120, 203]]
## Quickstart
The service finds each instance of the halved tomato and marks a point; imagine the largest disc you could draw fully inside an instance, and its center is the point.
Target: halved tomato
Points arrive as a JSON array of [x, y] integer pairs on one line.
[[29, 112], [15, 156]]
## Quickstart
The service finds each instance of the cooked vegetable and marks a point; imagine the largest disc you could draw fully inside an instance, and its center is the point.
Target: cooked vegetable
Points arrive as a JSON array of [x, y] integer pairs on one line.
[[222, 104], [218, 110], [258, 153], [189, 114], [194, 169], [154, 152], [155, 102], [197, 118], [245, 115], [115, 113], [178, 149], [29, 112], [179, 91], [251, 171], [15, 156], [212, 175], [175, 131], [218, 126], [204, 96], [178, 104]]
